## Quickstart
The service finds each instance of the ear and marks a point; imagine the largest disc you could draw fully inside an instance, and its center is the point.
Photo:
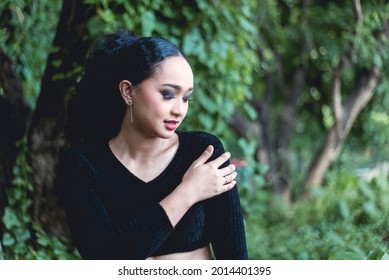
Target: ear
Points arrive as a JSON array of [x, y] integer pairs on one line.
[[126, 90]]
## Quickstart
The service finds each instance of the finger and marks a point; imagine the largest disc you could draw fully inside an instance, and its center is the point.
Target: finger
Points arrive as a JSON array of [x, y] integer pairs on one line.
[[204, 156], [229, 178], [229, 186], [227, 170], [220, 160]]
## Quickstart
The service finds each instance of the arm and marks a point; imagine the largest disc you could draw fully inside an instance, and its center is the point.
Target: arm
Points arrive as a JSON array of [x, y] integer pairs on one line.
[[201, 181], [226, 222]]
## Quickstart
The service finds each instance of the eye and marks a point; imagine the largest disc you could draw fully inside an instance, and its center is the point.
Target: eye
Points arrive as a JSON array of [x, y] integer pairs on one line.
[[187, 98], [167, 94]]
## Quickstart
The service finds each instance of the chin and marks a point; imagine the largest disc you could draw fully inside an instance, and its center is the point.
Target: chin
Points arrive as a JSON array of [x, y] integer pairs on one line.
[[167, 134]]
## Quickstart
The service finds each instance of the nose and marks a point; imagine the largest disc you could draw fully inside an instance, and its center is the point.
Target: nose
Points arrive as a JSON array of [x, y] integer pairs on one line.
[[178, 107]]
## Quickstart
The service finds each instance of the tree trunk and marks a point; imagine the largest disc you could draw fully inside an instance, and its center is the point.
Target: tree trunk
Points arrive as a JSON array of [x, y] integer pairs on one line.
[[275, 155], [266, 149], [46, 134], [287, 121], [334, 140]]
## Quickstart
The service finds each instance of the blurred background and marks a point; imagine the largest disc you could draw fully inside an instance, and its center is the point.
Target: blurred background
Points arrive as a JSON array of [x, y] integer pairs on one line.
[[297, 90]]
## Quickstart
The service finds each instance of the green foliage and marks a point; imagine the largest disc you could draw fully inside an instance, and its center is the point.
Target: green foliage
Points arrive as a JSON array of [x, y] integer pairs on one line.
[[16, 217], [22, 238], [315, 36], [348, 219], [26, 33], [372, 129]]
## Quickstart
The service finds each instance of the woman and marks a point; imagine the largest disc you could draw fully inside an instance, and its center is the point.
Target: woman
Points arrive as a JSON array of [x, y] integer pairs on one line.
[[132, 185]]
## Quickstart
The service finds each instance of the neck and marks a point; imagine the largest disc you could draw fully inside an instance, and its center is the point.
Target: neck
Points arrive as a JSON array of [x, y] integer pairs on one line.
[[135, 145]]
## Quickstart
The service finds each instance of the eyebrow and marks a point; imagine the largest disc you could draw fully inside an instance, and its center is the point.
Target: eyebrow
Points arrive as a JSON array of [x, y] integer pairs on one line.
[[176, 86]]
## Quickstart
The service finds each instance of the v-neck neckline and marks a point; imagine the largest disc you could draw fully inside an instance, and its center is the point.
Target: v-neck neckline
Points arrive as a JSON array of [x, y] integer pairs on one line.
[[161, 175]]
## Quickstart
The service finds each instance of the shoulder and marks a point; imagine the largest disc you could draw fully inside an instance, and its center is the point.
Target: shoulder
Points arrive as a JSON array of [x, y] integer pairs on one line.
[[81, 157], [197, 141], [200, 137], [79, 154], [81, 166]]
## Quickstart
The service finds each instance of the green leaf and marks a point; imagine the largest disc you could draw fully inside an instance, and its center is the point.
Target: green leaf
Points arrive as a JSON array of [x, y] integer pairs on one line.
[[376, 255], [8, 240], [344, 209], [206, 121], [22, 235], [148, 23], [10, 219], [378, 60], [208, 104], [385, 256], [250, 111]]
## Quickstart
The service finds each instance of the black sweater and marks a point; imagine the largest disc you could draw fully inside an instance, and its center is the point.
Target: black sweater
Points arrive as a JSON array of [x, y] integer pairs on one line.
[[113, 214]]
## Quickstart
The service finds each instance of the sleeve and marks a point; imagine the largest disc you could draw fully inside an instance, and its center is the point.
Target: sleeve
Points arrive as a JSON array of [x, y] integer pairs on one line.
[[91, 226], [228, 238]]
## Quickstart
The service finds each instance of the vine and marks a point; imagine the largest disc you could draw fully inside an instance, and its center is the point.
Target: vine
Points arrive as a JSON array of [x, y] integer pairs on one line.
[[22, 237]]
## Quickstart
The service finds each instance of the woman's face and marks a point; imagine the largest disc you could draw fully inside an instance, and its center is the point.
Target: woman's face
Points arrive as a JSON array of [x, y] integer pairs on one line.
[[160, 103]]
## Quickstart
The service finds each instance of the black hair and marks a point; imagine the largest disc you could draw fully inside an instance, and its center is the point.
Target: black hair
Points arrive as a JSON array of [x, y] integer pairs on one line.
[[97, 109]]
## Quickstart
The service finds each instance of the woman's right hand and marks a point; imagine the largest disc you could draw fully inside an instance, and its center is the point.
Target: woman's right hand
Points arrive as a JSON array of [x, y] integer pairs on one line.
[[204, 179], [201, 181]]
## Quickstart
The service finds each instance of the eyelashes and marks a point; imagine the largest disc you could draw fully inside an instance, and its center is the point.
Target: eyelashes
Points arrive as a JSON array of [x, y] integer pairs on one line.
[[188, 99], [168, 95]]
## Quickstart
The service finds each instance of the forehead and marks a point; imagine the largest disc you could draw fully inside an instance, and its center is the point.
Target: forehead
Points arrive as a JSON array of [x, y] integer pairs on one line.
[[174, 70]]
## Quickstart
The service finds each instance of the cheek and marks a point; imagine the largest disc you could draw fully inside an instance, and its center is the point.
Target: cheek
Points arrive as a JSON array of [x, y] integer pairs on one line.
[[185, 111], [186, 108], [158, 108], [151, 103]]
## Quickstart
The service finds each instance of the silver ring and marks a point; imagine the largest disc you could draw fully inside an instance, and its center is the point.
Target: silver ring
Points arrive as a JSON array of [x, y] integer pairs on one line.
[[225, 178]]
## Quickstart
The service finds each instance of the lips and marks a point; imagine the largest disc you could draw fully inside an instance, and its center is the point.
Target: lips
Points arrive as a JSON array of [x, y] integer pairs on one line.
[[171, 124]]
